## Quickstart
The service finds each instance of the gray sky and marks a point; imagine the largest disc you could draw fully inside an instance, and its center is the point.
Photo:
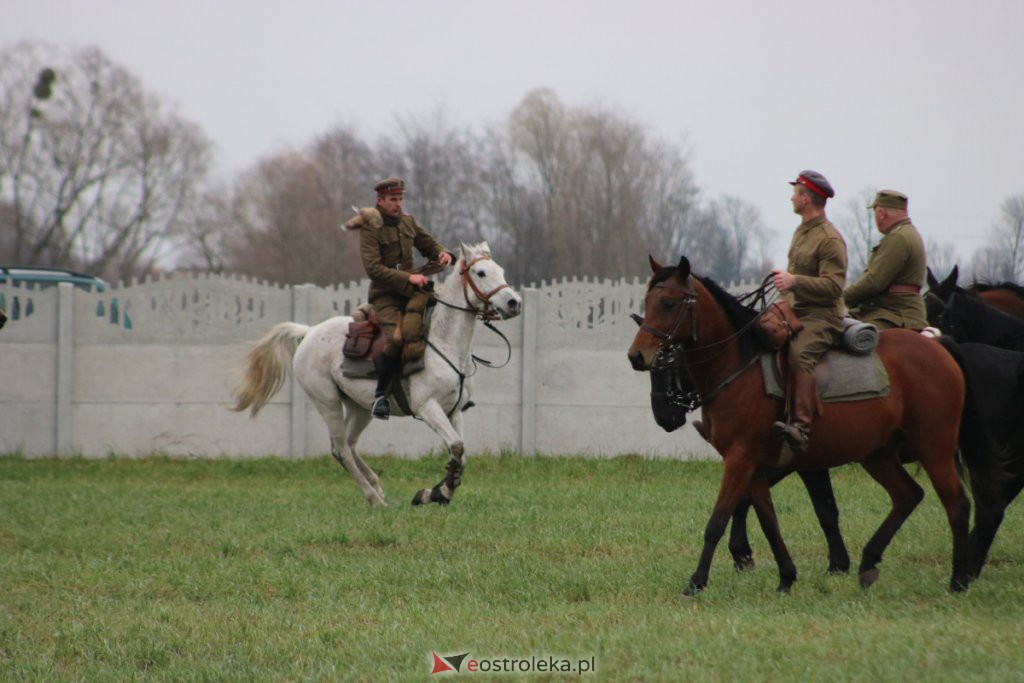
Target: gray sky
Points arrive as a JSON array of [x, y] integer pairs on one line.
[[924, 96]]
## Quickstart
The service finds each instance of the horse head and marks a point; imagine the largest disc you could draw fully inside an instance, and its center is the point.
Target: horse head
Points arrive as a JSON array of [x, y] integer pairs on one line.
[[671, 386], [669, 311], [483, 284]]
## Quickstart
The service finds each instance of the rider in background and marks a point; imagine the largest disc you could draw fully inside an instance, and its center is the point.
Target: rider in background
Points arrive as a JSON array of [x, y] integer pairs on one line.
[[888, 294], [386, 249], [813, 286]]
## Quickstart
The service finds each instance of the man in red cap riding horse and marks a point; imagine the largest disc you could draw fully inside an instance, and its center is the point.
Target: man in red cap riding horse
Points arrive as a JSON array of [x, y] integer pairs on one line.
[[386, 239], [813, 285]]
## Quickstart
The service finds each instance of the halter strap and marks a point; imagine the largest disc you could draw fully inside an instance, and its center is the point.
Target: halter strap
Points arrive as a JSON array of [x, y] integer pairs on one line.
[[487, 313]]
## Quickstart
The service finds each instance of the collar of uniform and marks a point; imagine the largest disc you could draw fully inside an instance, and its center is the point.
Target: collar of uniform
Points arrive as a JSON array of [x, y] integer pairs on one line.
[[390, 220], [814, 222], [895, 226]]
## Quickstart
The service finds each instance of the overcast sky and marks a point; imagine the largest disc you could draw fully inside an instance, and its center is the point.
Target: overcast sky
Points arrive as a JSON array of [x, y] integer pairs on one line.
[[924, 96]]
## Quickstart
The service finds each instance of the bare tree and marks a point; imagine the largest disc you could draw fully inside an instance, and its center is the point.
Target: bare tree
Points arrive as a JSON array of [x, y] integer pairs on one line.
[[285, 229], [585, 191], [95, 171], [857, 223], [942, 256], [1008, 239]]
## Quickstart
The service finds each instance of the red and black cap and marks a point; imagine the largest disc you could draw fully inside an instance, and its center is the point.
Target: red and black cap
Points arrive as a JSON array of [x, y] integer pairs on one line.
[[390, 186], [816, 183]]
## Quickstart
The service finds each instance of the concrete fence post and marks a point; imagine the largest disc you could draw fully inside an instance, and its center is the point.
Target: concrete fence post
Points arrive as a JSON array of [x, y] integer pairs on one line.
[[297, 418], [528, 403], [65, 371]]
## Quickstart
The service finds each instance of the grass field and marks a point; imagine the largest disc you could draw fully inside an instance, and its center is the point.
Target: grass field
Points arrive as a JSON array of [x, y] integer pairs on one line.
[[277, 570]]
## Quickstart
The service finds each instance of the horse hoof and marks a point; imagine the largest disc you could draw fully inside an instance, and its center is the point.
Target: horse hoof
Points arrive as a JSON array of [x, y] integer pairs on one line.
[[837, 569], [868, 577], [692, 590], [744, 563], [957, 586], [784, 587], [422, 497]]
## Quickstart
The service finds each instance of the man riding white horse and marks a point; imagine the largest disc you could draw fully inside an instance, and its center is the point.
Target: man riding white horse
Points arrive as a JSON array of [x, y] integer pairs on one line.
[[386, 239]]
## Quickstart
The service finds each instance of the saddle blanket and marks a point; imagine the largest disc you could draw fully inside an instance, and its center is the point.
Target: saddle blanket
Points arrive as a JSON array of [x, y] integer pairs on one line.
[[843, 378], [362, 368]]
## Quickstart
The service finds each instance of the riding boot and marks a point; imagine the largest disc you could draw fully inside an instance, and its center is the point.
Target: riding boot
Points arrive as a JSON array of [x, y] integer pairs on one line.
[[797, 432], [389, 367]]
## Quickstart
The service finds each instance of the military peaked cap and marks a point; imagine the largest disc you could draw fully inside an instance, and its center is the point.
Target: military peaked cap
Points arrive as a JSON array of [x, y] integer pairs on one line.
[[390, 186], [889, 199], [816, 183]]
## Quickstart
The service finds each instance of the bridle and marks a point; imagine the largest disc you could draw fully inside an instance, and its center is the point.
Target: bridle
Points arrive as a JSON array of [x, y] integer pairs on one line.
[[669, 353], [689, 302], [487, 312]]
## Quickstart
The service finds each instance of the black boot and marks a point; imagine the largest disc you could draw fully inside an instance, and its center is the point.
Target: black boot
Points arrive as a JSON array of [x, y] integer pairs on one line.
[[388, 369]]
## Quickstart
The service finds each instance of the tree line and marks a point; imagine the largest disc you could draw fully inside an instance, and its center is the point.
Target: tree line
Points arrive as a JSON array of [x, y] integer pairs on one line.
[[99, 175]]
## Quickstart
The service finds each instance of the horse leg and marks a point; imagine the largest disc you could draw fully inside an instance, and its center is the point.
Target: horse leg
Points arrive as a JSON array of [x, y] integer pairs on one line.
[[988, 516], [341, 449], [760, 495], [819, 488], [451, 431], [946, 482], [905, 495], [356, 420], [739, 542], [735, 481]]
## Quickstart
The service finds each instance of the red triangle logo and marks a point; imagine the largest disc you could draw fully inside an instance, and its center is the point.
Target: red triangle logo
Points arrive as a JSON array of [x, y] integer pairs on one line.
[[440, 665]]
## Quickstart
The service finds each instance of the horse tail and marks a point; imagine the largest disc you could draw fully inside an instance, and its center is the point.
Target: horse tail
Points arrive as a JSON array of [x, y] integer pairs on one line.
[[266, 366], [978, 452]]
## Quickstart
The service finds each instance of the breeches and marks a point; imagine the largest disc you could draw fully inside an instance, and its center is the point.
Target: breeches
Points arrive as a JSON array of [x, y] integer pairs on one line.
[[389, 313], [811, 343]]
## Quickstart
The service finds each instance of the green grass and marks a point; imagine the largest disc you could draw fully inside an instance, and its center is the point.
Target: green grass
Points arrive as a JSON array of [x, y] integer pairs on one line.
[[277, 570]]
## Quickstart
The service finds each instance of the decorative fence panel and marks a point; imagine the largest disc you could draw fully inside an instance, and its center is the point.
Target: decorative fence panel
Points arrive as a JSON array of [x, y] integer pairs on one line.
[[149, 367]]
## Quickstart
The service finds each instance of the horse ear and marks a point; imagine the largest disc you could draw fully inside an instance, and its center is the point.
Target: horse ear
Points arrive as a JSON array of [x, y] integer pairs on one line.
[[683, 269], [464, 250], [655, 266], [933, 284], [954, 274]]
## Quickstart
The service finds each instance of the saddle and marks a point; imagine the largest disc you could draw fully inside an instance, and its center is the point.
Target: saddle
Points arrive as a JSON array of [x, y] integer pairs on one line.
[[364, 345]]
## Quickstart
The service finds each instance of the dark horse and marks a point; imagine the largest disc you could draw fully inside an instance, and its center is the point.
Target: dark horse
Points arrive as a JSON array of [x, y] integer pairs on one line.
[[918, 419], [1007, 297], [673, 396], [990, 355]]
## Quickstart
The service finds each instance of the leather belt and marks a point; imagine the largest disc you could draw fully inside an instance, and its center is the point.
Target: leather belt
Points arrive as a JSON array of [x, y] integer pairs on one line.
[[904, 289]]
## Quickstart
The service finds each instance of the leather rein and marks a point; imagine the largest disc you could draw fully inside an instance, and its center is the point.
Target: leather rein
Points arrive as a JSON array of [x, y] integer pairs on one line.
[[485, 314]]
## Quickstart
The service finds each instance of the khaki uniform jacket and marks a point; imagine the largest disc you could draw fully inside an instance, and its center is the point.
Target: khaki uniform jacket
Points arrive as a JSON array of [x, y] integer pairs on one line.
[[387, 256], [898, 259], [817, 257]]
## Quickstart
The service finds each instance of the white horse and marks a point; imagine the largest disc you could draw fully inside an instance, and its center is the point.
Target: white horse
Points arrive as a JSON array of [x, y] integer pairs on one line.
[[437, 394]]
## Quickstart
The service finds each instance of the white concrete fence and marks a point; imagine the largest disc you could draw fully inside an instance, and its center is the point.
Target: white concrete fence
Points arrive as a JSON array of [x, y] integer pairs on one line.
[[149, 367]]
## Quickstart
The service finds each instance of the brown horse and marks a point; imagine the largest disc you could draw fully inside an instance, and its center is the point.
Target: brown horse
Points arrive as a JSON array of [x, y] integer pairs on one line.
[[1007, 297], [917, 420]]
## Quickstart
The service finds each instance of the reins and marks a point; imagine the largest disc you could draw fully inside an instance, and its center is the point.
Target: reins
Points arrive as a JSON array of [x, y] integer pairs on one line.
[[485, 315], [670, 350]]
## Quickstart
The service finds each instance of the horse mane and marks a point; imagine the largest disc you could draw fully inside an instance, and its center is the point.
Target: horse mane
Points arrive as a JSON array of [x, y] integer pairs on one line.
[[739, 314], [984, 286], [1001, 329]]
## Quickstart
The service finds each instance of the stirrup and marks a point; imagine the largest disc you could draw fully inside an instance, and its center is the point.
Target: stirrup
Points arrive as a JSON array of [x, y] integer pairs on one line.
[[795, 435], [381, 409]]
